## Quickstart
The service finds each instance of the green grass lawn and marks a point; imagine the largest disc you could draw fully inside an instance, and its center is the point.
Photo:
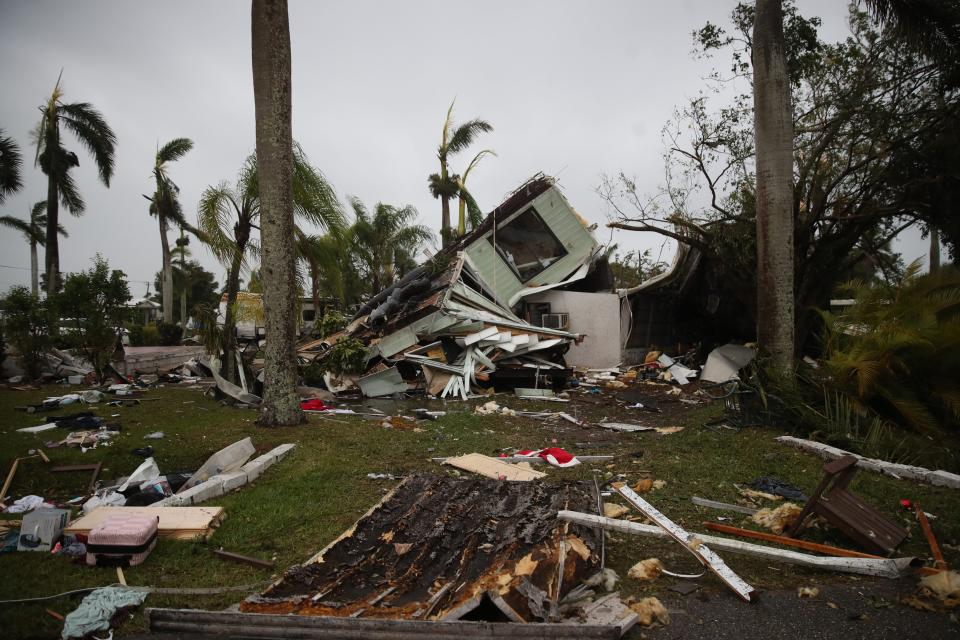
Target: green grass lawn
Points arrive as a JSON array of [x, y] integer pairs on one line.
[[310, 497]]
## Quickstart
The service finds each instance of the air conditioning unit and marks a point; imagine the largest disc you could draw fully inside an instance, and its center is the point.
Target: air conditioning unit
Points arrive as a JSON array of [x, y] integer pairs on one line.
[[555, 320]]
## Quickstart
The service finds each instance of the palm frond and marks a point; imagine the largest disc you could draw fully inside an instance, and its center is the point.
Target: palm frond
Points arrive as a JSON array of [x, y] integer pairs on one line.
[[17, 224], [215, 214], [314, 200], [464, 135], [93, 132], [173, 150], [11, 162]]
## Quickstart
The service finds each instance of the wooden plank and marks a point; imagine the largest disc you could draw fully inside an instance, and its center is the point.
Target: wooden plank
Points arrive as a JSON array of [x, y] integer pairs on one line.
[[701, 551], [261, 625], [10, 474], [940, 563], [880, 567], [789, 542], [181, 523], [236, 557], [489, 332], [492, 468], [95, 468]]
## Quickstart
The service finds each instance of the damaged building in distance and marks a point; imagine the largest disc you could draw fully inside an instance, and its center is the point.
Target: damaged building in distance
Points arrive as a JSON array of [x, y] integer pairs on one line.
[[518, 302]]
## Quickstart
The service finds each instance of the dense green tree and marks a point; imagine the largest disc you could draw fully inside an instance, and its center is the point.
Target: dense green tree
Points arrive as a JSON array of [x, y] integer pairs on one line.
[[93, 304], [92, 131], [860, 106], [26, 326], [34, 229], [190, 278], [165, 207]]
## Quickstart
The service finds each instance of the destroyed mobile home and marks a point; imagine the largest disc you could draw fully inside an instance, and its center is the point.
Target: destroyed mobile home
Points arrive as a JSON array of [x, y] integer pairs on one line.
[[479, 313]]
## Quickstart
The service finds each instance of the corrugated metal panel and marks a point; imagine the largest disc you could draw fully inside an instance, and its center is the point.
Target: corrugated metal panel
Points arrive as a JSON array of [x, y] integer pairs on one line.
[[565, 224]]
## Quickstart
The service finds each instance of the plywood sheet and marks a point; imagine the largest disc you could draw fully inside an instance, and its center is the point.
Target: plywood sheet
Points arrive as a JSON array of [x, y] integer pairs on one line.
[[492, 468], [180, 523]]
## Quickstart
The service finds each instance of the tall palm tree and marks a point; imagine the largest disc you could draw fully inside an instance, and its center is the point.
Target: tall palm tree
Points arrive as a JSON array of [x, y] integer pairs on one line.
[[381, 236], [773, 132], [165, 206], [444, 185], [10, 165], [272, 101], [228, 216], [466, 199], [92, 131], [35, 231]]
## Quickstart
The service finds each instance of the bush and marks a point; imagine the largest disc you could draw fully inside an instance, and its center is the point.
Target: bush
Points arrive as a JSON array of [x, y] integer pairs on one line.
[[349, 356], [27, 327], [94, 301], [330, 323], [170, 334]]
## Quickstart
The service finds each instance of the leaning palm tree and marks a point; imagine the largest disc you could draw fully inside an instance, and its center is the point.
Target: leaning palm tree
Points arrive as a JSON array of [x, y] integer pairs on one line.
[[466, 198], [381, 236], [444, 185], [35, 231], [165, 206], [228, 216], [10, 163], [92, 131]]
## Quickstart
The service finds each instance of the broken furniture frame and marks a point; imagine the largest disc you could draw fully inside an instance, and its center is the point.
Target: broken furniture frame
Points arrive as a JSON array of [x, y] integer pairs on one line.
[[840, 507], [95, 468]]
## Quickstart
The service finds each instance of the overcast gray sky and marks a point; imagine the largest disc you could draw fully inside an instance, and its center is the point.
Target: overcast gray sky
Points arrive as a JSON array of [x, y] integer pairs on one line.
[[573, 89]]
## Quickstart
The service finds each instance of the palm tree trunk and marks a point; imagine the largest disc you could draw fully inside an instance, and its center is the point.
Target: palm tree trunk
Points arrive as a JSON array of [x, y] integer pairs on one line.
[[52, 249], [315, 293], [227, 365], [773, 123], [272, 101], [445, 221], [34, 268], [934, 249], [462, 218], [167, 275]]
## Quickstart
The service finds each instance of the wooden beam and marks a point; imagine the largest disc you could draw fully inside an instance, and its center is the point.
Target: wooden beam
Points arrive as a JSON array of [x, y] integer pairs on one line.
[[6, 483], [939, 562], [95, 468], [713, 504], [789, 542]]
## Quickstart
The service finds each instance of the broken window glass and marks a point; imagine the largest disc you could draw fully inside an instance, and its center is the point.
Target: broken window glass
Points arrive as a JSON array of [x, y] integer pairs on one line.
[[527, 245]]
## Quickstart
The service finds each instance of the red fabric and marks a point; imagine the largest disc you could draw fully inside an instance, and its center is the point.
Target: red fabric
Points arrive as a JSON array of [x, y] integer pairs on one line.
[[554, 455], [314, 404]]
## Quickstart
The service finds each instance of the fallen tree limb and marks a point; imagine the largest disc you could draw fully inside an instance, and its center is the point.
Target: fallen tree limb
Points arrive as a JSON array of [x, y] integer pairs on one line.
[[899, 471], [884, 567]]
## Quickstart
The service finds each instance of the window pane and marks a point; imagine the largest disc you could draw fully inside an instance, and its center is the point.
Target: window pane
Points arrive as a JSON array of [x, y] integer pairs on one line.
[[527, 245]]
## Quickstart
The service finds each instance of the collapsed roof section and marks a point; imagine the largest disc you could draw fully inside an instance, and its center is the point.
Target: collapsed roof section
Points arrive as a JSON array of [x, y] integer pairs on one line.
[[450, 549], [449, 325]]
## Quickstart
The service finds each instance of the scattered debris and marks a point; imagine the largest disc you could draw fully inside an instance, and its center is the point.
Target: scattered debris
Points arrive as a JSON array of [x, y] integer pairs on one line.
[[808, 592], [650, 611], [649, 569], [236, 557], [724, 363], [614, 510], [945, 586], [624, 426], [779, 519], [713, 504], [41, 528], [777, 487], [98, 609]]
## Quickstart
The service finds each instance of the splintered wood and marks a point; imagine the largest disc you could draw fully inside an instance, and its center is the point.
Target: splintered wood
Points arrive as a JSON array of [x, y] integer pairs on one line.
[[447, 548], [690, 541]]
